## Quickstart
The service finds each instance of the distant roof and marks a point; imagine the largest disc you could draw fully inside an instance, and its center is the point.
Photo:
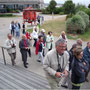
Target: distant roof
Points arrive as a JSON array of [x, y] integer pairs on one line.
[[21, 1]]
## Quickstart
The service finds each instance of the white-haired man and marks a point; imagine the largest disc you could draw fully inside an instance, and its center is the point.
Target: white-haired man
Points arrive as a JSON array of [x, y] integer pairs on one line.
[[10, 45], [24, 47], [56, 64]]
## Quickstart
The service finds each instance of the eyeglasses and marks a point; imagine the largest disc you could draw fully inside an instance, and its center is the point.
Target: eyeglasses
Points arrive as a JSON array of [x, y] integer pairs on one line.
[[62, 47]]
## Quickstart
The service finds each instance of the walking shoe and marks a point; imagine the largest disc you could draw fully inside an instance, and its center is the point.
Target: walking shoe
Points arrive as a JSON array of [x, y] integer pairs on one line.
[[29, 55], [25, 66], [38, 60], [27, 63]]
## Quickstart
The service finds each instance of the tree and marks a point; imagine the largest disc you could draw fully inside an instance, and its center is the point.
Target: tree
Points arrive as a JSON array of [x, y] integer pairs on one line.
[[80, 7], [69, 7], [52, 6], [89, 6]]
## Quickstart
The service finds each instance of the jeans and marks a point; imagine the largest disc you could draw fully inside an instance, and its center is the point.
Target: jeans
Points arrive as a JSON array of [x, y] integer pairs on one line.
[[17, 34], [40, 57]]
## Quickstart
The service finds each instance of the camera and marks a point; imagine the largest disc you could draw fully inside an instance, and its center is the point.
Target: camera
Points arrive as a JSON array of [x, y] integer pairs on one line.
[[59, 69], [13, 46]]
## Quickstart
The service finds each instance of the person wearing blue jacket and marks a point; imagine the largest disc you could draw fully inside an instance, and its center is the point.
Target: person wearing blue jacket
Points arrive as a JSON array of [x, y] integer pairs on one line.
[[17, 29], [87, 56], [79, 69]]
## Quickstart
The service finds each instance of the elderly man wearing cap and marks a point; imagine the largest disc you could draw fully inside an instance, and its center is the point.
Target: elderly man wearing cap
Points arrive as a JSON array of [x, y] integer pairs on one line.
[[44, 39]]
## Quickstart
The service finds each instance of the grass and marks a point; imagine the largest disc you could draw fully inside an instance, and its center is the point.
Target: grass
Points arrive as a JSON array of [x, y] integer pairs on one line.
[[84, 37], [56, 26], [29, 30]]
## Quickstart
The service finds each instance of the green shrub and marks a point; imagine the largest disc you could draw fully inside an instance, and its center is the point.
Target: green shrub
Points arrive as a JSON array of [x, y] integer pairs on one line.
[[75, 25], [6, 15], [61, 13], [17, 11], [84, 16], [69, 16], [87, 11], [58, 10], [44, 11], [9, 10]]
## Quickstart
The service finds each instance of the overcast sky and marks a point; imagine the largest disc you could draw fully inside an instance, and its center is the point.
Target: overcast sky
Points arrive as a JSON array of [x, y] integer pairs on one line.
[[85, 2]]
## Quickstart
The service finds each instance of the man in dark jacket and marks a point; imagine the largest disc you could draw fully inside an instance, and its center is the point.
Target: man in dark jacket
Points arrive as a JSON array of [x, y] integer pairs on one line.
[[24, 47], [87, 56]]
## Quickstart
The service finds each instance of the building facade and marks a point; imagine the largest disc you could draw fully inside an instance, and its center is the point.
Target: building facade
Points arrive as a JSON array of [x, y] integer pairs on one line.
[[21, 4]]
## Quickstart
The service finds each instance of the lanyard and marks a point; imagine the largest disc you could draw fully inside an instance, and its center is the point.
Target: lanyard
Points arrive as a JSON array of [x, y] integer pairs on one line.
[[59, 63]]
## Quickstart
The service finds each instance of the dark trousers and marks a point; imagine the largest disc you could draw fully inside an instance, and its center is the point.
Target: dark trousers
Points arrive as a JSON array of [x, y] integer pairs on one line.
[[35, 42], [29, 52], [24, 31], [12, 32], [75, 87], [50, 48], [13, 57], [88, 71], [39, 21], [24, 57]]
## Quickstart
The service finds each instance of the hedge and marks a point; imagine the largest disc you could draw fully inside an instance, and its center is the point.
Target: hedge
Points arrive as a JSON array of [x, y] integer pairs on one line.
[[84, 16], [75, 24], [6, 15]]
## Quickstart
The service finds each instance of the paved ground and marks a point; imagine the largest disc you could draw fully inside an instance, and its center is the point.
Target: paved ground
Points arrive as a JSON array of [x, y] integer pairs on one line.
[[34, 66]]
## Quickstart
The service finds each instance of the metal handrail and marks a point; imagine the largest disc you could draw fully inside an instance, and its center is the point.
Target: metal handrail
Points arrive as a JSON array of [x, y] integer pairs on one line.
[[3, 54]]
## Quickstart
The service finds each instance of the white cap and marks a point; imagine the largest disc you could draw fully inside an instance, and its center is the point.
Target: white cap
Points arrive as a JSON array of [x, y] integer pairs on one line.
[[43, 30]]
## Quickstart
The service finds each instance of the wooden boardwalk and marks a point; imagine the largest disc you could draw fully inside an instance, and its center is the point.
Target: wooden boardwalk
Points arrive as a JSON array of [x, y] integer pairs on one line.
[[17, 78]]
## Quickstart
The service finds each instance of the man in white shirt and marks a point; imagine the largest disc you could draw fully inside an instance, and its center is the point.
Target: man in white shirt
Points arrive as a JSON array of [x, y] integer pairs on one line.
[[10, 45], [35, 36]]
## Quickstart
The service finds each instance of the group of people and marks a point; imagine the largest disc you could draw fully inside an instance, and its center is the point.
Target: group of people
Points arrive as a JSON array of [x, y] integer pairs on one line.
[[59, 62], [41, 40], [15, 28]]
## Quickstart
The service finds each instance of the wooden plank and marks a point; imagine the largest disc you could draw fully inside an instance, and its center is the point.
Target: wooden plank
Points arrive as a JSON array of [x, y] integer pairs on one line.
[[29, 81], [15, 81], [4, 85], [8, 82], [22, 78], [28, 73]]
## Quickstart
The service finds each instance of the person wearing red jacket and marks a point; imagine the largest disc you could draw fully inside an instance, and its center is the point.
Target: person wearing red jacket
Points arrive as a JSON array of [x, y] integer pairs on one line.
[[39, 49]]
